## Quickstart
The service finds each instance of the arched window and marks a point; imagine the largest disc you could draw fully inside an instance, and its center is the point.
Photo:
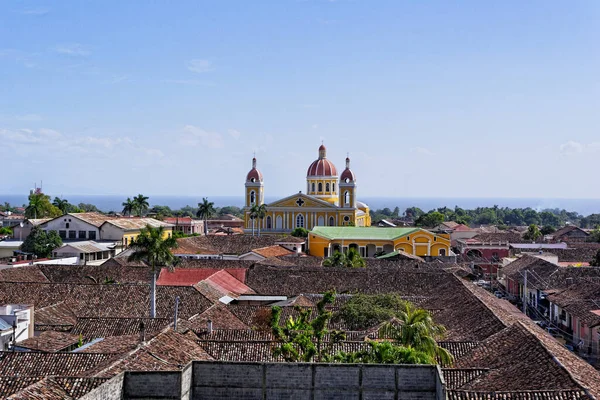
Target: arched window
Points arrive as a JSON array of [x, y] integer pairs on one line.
[[313, 187], [333, 187], [327, 187], [269, 223], [300, 221], [252, 197], [320, 187], [442, 252], [346, 197], [331, 221]]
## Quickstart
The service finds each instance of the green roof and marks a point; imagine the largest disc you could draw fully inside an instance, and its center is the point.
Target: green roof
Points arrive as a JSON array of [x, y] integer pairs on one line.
[[358, 233]]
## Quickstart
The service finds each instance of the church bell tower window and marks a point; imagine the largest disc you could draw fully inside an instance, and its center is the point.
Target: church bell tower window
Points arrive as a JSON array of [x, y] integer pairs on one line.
[[327, 187], [300, 221], [320, 187], [252, 197]]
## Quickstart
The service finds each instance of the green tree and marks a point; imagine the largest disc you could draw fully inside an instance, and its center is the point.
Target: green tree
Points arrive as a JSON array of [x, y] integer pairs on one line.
[[385, 353], [431, 219], [547, 230], [413, 212], [261, 213], [533, 233], [5, 230], [253, 215], [153, 248], [86, 207], [596, 260], [303, 338], [128, 206], [300, 232], [420, 332], [141, 204], [206, 210], [349, 260], [364, 311], [595, 234], [62, 204], [41, 243], [40, 207]]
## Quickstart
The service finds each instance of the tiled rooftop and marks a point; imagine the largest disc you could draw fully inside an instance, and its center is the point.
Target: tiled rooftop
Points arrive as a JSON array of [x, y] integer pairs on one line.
[[50, 341], [91, 328]]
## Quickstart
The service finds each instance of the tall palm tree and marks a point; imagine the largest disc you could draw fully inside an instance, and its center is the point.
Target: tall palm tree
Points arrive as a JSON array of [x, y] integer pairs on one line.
[[62, 204], [253, 215], [206, 210], [141, 203], [128, 206], [153, 248], [261, 213], [35, 208], [420, 332]]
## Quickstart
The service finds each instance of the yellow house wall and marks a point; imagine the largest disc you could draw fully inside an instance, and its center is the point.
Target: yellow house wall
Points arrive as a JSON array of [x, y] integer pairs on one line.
[[130, 236], [421, 243]]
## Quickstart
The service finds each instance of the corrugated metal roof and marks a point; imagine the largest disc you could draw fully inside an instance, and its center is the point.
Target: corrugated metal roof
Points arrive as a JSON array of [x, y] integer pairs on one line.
[[137, 223], [357, 233]]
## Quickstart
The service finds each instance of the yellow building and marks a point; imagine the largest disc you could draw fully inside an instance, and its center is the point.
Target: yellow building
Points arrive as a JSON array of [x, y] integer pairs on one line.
[[323, 241], [328, 201], [126, 230]]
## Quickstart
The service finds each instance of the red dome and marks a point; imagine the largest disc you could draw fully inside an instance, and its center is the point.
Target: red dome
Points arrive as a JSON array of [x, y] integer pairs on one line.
[[347, 174], [321, 167], [254, 175]]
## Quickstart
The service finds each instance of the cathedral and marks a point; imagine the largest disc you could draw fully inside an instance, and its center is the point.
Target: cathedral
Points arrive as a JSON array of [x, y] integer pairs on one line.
[[330, 200]]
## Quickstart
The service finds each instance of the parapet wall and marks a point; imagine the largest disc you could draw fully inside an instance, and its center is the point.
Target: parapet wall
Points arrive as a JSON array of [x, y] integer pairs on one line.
[[228, 380]]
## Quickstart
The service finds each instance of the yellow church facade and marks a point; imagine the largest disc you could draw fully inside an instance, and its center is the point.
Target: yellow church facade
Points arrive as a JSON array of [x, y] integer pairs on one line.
[[371, 242], [329, 200]]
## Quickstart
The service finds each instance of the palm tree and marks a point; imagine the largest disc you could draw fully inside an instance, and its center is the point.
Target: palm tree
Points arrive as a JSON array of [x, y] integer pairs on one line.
[[206, 210], [35, 208], [261, 213], [337, 259], [128, 206], [420, 332], [141, 203], [253, 215], [354, 260], [62, 204], [152, 247]]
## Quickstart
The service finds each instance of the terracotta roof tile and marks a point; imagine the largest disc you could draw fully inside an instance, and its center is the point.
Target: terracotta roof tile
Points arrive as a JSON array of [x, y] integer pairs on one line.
[[273, 251], [91, 328], [50, 341], [43, 364], [221, 318]]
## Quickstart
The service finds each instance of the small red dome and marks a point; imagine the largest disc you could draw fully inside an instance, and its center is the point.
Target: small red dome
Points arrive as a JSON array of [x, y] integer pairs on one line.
[[322, 147], [321, 167], [347, 174], [254, 175]]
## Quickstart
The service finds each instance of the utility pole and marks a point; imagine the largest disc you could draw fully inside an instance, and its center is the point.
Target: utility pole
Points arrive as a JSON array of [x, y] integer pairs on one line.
[[525, 294]]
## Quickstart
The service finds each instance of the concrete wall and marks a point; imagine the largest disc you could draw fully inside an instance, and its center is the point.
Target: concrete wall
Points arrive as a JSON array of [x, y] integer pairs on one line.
[[227, 380], [111, 390]]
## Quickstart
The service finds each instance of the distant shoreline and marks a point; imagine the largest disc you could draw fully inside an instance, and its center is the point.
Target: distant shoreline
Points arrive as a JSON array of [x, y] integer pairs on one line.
[[113, 202]]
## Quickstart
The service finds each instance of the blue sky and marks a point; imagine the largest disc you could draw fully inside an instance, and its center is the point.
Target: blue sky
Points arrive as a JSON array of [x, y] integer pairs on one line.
[[430, 98]]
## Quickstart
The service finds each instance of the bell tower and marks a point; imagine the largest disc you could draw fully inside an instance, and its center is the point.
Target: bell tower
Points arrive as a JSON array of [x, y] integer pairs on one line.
[[254, 186], [347, 187]]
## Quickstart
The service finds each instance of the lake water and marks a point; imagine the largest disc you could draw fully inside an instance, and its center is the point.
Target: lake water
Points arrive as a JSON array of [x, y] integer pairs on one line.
[[108, 203]]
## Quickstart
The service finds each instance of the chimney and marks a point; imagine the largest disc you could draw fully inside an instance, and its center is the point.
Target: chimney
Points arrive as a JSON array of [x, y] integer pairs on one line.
[[209, 327], [569, 281], [142, 332]]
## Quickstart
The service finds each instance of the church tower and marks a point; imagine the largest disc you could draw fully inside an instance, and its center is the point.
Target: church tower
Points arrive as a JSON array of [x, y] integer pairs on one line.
[[254, 186], [347, 187]]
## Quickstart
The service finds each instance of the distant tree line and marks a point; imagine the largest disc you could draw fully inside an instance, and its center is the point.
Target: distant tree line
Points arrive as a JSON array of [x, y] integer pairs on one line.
[[501, 216]]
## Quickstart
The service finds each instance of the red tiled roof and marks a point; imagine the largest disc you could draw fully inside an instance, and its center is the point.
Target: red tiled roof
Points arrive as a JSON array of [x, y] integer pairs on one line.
[[189, 277], [228, 283]]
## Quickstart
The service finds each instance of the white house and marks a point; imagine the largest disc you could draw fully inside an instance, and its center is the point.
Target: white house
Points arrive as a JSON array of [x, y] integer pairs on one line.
[[87, 252], [76, 226], [16, 322]]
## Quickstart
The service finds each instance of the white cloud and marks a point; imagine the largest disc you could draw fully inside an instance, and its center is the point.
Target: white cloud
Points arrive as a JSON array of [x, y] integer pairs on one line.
[[422, 151], [73, 49], [234, 134], [572, 148], [194, 136], [200, 66]]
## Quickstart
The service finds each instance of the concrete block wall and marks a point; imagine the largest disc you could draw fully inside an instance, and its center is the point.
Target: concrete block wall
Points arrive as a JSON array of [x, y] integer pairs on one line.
[[212, 380], [110, 390]]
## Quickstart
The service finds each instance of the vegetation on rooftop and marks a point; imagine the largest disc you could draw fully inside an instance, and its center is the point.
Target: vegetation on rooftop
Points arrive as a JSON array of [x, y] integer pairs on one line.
[[411, 340], [300, 232], [363, 311]]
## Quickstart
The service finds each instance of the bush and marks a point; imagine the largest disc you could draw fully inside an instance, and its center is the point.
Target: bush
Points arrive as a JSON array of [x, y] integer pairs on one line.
[[300, 232], [363, 311]]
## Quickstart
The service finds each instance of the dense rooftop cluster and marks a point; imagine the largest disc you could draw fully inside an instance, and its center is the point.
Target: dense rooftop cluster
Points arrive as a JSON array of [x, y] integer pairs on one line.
[[89, 331]]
